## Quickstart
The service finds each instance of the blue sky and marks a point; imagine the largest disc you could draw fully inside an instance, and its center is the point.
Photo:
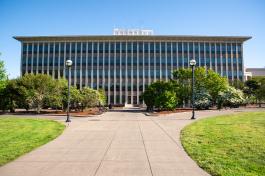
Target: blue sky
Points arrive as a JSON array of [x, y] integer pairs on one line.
[[89, 17]]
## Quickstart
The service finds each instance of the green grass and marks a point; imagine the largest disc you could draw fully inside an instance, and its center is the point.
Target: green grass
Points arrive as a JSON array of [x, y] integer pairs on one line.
[[21, 135], [228, 145]]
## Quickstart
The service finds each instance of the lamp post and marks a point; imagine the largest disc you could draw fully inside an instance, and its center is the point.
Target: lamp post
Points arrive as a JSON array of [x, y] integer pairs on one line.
[[192, 64], [68, 63]]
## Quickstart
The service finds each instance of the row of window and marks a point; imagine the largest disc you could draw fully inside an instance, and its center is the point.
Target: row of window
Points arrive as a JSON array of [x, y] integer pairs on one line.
[[122, 73], [118, 61], [123, 47]]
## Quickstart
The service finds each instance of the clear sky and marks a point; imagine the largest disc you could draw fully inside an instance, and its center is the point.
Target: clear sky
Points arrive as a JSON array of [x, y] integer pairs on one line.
[[165, 17]]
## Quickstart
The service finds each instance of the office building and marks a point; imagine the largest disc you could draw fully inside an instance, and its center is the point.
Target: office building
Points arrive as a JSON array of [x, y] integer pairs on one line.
[[125, 63]]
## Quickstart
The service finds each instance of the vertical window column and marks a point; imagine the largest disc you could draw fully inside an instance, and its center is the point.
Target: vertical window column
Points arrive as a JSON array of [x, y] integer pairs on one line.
[[199, 48], [115, 72], [137, 78], [53, 59], [160, 61], [37, 67], [126, 74], [92, 65], [64, 60], [59, 61], [48, 60], [172, 59], [237, 67], [97, 66], [42, 66], [103, 66], [166, 60], [132, 86], [226, 60], [215, 55], [109, 74], [32, 57], [149, 65], [86, 79]]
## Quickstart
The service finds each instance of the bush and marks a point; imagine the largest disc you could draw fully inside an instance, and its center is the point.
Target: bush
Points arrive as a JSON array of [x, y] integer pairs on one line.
[[202, 100], [160, 95], [231, 97]]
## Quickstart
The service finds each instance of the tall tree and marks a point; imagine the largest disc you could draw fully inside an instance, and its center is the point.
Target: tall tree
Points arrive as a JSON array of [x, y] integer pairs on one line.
[[3, 75]]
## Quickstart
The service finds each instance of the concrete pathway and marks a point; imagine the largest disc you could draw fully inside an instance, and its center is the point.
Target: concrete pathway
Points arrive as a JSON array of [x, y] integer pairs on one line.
[[114, 144]]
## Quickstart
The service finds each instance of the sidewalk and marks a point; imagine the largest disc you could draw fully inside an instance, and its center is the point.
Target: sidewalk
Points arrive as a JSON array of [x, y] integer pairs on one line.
[[115, 143]]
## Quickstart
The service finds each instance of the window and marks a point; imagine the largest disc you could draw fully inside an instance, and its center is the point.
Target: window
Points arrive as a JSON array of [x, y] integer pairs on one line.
[[163, 47], [89, 47], [123, 47], [141, 47], [100, 47], [157, 46], [24, 48], [95, 47], [146, 47], [134, 47], [152, 47]]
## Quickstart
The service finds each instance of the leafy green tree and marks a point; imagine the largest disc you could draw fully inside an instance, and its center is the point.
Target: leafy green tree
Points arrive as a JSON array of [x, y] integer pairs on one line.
[[149, 98], [90, 97], [75, 98], [102, 97], [160, 95], [207, 80], [182, 82], [55, 98], [38, 87], [3, 75], [260, 92], [215, 84]]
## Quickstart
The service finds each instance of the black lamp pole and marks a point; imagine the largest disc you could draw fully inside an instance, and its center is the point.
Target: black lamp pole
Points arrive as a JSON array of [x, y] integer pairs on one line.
[[68, 64], [193, 63]]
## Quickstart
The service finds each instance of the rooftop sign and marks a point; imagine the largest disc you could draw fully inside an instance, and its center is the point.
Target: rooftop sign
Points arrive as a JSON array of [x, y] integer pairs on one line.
[[132, 32]]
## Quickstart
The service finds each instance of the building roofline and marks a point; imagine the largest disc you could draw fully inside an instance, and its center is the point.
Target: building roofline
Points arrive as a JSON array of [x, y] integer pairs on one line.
[[130, 37], [256, 68]]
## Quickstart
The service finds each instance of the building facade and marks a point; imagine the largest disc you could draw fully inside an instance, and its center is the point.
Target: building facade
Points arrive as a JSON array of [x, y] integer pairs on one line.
[[125, 65], [254, 72]]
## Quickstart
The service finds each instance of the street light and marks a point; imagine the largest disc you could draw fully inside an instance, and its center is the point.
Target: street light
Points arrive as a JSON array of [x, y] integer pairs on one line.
[[68, 63], [192, 64]]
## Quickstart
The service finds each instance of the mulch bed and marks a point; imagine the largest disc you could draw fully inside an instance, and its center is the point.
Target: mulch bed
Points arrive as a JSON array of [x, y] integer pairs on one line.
[[49, 112]]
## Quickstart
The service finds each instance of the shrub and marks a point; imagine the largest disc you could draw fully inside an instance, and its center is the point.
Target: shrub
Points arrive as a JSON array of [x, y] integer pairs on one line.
[[231, 97], [202, 100]]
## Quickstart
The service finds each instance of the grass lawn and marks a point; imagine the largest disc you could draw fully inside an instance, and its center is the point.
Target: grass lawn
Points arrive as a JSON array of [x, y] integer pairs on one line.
[[228, 145], [21, 135]]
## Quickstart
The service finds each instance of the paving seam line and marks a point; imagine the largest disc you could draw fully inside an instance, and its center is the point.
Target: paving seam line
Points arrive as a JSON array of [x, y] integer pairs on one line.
[[145, 149], [105, 153]]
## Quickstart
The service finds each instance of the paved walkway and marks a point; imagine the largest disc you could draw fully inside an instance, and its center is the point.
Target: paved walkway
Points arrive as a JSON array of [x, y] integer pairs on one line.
[[114, 144]]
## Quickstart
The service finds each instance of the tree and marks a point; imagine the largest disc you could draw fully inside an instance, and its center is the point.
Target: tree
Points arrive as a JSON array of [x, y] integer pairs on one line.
[[182, 84], [251, 86], [160, 95], [75, 97], [149, 98], [102, 97], [55, 98], [90, 97], [205, 80], [215, 84], [38, 87], [3, 75], [260, 92]]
